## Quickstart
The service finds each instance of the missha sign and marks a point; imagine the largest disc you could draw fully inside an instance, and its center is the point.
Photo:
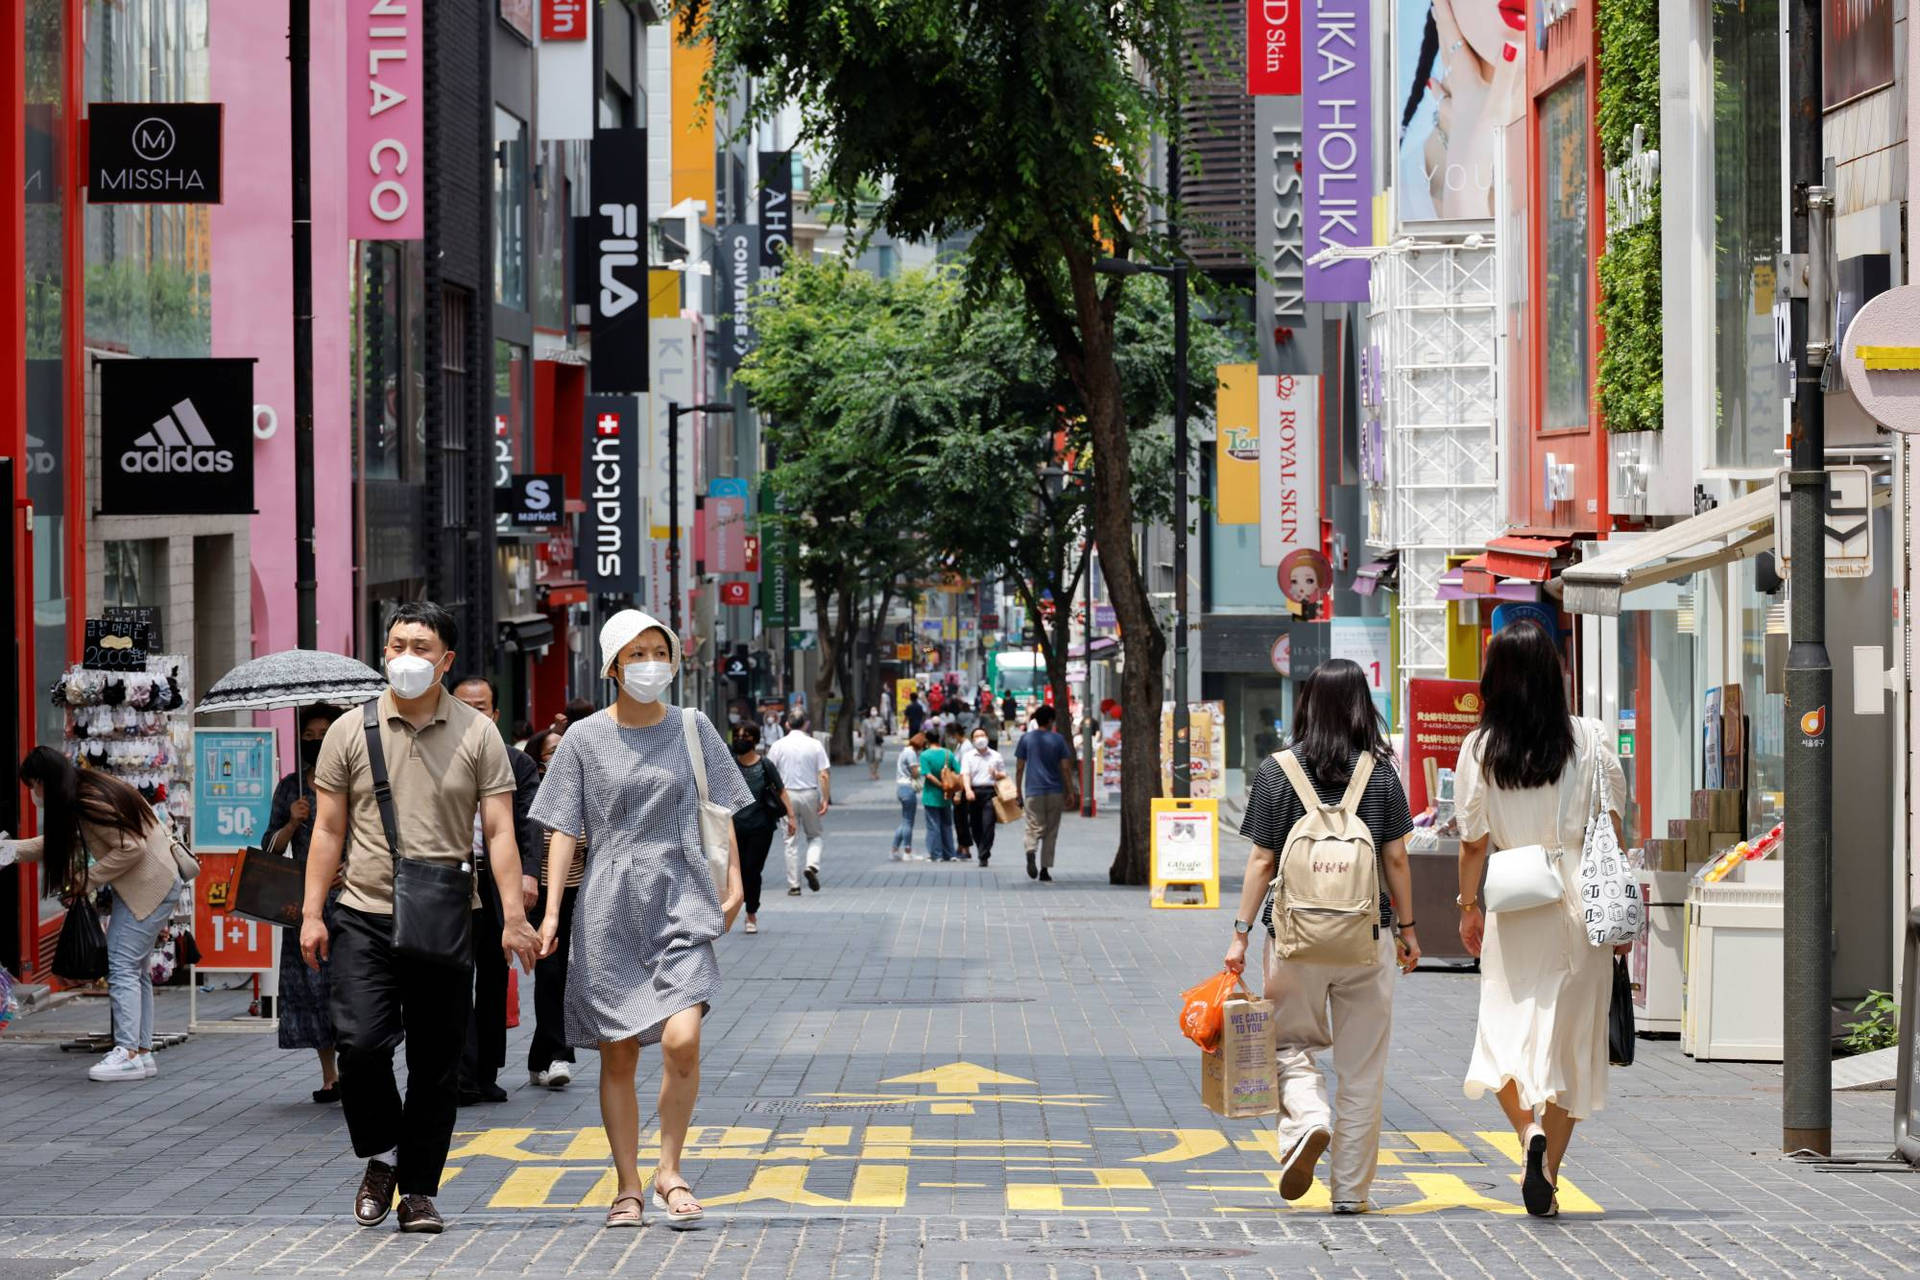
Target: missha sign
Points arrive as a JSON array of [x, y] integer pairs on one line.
[[385, 125], [153, 152]]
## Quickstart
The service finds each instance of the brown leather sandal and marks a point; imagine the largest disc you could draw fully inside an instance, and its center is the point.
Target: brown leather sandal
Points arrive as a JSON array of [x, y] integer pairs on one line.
[[690, 1211]]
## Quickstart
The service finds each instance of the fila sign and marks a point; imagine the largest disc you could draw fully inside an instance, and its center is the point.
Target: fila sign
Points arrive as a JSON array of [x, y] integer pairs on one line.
[[617, 250], [612, 481], [386, 120], [176, 437]]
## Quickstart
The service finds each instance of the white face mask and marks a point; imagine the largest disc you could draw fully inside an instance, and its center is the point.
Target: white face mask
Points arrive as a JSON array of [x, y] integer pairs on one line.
[[646, 681], [979, 744], [409, 675]]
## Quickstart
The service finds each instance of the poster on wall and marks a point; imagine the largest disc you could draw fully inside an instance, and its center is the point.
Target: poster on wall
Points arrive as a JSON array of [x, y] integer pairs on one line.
[[1289, 466], [1237, 445], [1459, 73], [1856, 49], [1207, 749], [234, 778], [1440, 715], [1368, 644]]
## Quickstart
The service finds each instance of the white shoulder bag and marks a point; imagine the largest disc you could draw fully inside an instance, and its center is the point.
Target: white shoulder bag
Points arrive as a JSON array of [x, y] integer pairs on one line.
[[1528, 875], [716, 822]]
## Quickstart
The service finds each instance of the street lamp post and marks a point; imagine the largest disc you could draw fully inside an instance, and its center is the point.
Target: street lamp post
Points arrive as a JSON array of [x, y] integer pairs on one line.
[[675, 412], [1182, 737]]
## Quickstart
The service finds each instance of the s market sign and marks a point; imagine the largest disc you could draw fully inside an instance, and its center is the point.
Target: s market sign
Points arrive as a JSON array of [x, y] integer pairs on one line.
[[153, 152], [176, 437]]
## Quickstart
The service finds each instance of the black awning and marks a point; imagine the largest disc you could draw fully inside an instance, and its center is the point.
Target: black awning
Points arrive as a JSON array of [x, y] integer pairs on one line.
[[526, 633]]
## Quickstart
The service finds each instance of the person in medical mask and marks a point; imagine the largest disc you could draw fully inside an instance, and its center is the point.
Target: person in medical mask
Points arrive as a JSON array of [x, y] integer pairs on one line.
[[641, 968], [444, 762]]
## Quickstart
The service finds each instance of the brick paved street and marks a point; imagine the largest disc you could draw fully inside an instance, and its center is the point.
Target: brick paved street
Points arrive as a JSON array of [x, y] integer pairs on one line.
[[936, 1071]]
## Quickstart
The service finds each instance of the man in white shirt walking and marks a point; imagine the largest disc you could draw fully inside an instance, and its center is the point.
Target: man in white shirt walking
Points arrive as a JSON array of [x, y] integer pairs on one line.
[[803, 764]]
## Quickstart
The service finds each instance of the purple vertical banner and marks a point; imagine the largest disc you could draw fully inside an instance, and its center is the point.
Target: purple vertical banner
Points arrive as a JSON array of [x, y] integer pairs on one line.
[[1336, 146]]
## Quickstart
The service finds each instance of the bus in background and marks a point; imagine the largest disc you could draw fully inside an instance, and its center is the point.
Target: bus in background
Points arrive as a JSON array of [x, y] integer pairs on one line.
[[1022, 673]]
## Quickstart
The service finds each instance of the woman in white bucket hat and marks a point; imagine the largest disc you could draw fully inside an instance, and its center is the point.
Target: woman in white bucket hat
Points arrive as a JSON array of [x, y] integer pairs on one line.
[[640, 967]]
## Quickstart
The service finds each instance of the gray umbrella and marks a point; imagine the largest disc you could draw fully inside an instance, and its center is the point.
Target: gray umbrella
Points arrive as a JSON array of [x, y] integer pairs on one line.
[[293, 678]]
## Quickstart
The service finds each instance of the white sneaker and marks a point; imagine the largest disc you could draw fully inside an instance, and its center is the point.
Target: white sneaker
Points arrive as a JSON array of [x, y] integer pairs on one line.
[[557, 1076], [148, 1066], [1347, 1207], [117, 1065]]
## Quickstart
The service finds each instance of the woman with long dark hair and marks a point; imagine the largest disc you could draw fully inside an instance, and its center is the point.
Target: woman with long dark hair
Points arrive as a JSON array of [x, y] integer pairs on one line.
[[1340, 755], [1525, 778], [98, 831]]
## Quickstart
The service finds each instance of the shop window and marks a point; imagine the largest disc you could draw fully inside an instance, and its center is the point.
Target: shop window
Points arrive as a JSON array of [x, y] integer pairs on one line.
[[47, 295], [134, 573], [509, 210], [1564, 295], [387, 346], [512, 438], [554, 199], [148, 290], [1658, 722], [1749, 215]]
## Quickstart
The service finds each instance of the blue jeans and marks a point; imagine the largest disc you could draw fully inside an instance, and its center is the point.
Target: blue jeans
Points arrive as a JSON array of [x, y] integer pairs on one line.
[[909, 805], [129, 971], [940, 846]]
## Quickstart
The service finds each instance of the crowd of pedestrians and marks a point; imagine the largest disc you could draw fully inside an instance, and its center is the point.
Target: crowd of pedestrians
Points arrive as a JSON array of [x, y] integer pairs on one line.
[[608, 852]]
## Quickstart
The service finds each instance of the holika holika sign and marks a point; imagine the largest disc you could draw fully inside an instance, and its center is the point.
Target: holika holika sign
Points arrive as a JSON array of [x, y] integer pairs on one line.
[[153, 152]]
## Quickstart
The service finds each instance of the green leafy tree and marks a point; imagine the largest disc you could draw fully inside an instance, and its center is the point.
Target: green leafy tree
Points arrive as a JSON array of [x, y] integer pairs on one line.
[[848, 378], [1027, 123]]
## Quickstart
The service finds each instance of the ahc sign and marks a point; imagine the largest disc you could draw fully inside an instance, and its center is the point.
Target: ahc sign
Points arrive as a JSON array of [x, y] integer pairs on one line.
[[153, 152]]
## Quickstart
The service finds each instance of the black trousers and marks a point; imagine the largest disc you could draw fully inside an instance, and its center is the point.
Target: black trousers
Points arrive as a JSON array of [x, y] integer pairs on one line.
[[981, 820], [486, 1047], [754, 847], [377, 1001], [962, 823], [549, 1044]]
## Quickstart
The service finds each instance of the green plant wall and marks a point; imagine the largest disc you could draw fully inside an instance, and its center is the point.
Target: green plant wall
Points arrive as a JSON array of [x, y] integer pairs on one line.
[[1629, 268]]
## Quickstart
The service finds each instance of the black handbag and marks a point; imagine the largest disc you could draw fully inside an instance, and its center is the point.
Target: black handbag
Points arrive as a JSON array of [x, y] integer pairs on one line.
[[432, 901], [1620, 1016], [268, 888], [81, 955]]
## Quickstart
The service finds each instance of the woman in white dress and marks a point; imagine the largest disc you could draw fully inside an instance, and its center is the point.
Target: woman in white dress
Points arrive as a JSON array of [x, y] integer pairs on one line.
[[1525, 777]]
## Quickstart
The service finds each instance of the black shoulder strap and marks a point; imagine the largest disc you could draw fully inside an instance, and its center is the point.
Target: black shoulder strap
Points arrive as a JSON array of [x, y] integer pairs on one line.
[[377, 764]]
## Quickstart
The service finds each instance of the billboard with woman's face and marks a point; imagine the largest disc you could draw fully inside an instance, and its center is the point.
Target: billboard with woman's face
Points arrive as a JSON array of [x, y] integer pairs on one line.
[[1459, 73]]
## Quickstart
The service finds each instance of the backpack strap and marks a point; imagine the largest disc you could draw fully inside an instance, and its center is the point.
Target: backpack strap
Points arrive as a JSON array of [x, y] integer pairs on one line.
[[1297, 777], [1357, 787]]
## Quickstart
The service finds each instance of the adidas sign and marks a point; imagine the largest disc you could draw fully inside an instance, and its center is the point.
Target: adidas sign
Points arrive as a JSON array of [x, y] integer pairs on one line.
[[178, 442]]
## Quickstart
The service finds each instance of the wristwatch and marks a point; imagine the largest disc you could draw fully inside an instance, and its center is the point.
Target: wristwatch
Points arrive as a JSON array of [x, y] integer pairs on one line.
[[1242, 927]]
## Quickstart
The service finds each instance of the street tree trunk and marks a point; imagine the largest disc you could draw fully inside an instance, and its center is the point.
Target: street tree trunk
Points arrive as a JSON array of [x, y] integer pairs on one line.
[[1143, 644]]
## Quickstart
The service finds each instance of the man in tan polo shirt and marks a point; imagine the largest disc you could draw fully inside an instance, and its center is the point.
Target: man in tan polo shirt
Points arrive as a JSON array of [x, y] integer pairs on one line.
[[444, 761]]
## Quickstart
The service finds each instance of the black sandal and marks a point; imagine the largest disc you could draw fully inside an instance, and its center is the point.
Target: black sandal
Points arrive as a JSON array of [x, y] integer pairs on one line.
[[329, 1094], [1535, 1189]]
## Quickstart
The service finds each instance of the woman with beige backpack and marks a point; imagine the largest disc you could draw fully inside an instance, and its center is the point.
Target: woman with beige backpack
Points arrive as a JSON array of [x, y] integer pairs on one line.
[[1328, 820], [1524, 786]]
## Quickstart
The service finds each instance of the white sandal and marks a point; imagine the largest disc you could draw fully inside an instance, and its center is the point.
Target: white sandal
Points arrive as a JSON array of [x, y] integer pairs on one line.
[[617, 1218]]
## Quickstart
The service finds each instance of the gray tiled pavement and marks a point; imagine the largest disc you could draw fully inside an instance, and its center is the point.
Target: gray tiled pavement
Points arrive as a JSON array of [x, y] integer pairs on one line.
[[1073, 1144]]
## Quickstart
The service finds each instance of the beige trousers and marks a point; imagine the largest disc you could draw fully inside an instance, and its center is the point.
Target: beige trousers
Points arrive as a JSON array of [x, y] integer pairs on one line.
[[1348, 1008], [1043, 825]]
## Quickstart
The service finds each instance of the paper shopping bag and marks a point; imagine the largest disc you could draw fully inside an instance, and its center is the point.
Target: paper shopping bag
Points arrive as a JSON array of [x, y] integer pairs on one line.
[[1242, 1077], [1006, 800]]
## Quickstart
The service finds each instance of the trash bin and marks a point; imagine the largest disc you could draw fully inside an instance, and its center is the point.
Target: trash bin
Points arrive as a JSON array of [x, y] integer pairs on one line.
[[1733, 1004]]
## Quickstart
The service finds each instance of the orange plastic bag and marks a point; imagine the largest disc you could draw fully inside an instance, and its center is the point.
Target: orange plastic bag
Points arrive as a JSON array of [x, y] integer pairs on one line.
[[1202, 1009]]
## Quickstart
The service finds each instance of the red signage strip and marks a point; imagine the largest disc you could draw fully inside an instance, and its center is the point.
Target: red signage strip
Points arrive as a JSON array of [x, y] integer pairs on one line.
[[1273, 46], [1440, 714], [563, 19]]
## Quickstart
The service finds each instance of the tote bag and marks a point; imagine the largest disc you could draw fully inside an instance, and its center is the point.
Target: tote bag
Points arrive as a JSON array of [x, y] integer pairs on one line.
[[716, 821]]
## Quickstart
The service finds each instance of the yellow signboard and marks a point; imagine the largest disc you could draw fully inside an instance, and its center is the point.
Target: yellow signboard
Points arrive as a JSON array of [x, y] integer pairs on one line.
[[1237, 444], [1186, 853]]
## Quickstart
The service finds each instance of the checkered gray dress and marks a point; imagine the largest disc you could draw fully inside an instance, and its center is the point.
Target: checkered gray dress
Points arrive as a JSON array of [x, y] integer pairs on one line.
[[648, 910]]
